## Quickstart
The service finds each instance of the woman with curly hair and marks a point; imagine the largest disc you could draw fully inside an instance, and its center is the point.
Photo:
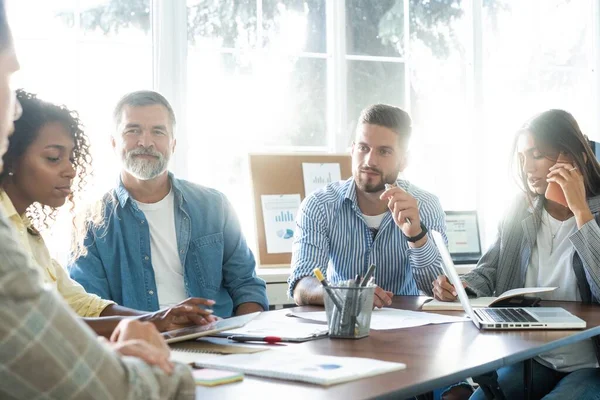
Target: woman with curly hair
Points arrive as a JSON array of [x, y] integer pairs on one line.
[[47, 164]]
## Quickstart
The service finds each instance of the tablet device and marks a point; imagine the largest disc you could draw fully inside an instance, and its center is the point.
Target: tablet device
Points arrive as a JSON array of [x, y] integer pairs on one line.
[[196, 331]]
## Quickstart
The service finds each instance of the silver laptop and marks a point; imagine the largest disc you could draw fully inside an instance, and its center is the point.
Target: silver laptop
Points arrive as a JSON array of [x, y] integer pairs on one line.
[[462, 231], [506, 318]]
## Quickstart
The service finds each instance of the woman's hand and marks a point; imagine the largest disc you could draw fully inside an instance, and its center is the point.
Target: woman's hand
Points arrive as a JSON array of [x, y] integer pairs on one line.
[[141, 339], [443, 290], [571, 181]]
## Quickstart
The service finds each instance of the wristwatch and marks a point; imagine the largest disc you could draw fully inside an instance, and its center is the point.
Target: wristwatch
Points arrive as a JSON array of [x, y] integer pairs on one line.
[[420, 236]]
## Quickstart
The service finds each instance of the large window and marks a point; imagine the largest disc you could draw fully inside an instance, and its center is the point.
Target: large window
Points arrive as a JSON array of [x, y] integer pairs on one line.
[[537, 55], [84, 54], [293, 75]]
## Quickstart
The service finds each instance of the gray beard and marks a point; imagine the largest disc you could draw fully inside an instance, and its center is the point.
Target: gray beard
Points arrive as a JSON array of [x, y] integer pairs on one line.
[[145, 169]]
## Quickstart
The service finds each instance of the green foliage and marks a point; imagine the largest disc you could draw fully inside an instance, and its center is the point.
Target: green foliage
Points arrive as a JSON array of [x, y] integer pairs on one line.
[[378, 24]]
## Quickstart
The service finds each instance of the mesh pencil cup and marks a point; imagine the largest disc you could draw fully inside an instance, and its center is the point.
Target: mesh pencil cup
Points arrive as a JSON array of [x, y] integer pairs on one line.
[[349, 310]]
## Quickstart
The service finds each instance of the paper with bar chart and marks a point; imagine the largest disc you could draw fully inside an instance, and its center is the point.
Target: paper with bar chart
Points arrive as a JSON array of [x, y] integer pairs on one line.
[[319, 175], [279, 212]]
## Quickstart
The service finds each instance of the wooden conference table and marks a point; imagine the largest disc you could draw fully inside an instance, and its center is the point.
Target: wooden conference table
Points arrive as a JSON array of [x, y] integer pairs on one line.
[[435, 356]]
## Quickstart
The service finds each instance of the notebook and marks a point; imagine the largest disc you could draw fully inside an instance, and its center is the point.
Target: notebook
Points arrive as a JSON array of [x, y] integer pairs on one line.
[[302, 367], [214, 377], [191, 351], [479, 302]]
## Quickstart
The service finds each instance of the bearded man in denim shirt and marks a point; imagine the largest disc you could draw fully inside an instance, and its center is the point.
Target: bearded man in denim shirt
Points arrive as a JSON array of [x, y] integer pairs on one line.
[[155, 240]]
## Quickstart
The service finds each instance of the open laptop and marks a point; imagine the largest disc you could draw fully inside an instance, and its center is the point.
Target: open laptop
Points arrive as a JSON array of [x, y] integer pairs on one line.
[[505, 318], [462, 230], [193, 332]]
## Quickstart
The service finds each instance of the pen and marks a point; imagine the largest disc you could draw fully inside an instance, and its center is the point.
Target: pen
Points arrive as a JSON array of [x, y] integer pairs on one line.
[[368, 275], [266, 339], [388, 187]]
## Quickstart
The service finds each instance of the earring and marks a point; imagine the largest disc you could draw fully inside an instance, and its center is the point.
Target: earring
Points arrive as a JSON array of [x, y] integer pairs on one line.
[[10, 173]]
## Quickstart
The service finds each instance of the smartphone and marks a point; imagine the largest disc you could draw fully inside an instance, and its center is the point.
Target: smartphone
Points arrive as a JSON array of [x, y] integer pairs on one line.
[[553, 191]]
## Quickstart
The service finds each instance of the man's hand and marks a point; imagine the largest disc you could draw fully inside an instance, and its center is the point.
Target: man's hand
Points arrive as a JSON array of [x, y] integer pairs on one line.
[[141, 339], [382, 297], [188, 312], [403, 206], [443, 290]]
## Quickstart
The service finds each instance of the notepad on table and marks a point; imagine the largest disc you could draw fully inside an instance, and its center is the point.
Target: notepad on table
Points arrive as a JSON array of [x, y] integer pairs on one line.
[[214, 377], [482, 302], [303, 367], [191, 351]]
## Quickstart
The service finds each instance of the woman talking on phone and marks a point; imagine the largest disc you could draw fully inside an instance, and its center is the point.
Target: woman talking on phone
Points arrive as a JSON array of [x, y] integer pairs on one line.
[[550, 236]]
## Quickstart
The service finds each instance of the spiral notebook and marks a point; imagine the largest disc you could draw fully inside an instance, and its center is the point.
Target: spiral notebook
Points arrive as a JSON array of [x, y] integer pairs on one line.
[[311, 368], [191, 352]]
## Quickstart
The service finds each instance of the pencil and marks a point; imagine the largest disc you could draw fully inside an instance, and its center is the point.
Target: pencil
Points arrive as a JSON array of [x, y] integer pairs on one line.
[[388, 187]]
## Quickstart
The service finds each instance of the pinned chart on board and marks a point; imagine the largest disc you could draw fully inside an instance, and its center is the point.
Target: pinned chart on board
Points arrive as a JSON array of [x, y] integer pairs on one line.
[[319, 175], [279, 213]]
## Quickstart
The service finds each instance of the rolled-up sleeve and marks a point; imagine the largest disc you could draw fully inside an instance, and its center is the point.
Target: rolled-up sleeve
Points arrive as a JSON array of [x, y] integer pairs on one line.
[[426, 261], [311, 243]]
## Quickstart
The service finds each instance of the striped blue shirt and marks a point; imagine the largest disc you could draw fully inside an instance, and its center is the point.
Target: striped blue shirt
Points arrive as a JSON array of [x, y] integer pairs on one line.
[[332, 234]]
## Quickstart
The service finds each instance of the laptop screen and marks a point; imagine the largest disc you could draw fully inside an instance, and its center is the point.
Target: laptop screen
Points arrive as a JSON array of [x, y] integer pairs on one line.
[[452, 275], [462, 230]]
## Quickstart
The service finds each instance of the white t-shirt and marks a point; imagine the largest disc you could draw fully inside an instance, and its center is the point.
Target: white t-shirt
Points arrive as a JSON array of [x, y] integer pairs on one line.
[[551, 264], [374, 221], [168, 271]]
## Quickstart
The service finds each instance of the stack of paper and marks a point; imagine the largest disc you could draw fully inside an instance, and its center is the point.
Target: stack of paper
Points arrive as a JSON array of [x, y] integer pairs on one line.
[[391, 318], [287, 330]]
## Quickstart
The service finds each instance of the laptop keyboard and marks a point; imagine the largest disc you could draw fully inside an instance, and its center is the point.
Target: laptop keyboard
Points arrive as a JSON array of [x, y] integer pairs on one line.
[[507, 315]]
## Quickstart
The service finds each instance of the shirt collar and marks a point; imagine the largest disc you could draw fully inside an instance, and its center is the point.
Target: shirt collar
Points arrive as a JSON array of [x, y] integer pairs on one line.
[[123, 194], [11, 212]]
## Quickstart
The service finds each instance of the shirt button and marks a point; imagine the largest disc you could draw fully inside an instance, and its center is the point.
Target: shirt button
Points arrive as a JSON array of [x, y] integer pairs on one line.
[[181, 251], [146, 258], [142, 222], [151, 292]]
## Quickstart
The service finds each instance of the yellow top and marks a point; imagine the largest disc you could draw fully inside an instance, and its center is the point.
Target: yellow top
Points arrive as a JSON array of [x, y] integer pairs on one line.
[[83, 303]]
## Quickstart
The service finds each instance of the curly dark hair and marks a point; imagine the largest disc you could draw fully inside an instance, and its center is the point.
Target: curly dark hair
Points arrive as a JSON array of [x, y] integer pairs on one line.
[[36, 114]]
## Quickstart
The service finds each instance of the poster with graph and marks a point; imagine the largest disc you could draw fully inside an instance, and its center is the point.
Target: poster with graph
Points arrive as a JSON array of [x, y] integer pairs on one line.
[[319, 175], [279, 213]]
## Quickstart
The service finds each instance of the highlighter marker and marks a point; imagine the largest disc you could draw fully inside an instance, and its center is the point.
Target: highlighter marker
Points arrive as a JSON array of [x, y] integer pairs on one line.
[[333, 295]]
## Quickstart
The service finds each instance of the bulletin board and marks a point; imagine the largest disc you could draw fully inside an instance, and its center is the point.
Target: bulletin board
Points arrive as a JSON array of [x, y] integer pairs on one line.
[[278, 174]]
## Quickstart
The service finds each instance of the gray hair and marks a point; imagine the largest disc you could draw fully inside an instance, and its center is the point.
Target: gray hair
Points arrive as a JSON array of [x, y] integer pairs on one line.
[[142, 98]]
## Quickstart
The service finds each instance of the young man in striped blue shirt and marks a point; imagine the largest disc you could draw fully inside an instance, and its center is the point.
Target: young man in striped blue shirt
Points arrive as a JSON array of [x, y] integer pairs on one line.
[[349, 225]]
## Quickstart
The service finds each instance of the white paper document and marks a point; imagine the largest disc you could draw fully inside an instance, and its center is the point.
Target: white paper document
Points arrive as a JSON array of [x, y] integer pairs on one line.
[[391, 318], [319, 175], [288, 330], [279, 213]]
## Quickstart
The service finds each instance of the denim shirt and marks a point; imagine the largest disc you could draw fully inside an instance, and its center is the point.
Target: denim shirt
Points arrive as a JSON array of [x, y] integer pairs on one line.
[[216, 260]]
